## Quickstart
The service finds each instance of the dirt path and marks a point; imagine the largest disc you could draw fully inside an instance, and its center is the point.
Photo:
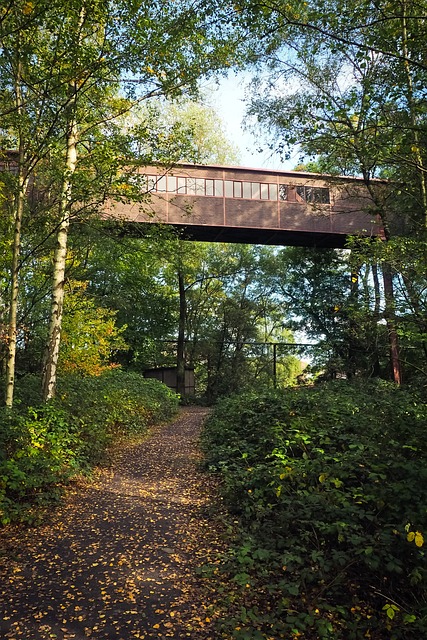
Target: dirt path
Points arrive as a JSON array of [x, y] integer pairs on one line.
[[118, 561]]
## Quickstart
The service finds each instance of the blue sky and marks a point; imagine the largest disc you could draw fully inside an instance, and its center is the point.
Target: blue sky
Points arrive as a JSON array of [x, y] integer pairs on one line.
[[228, 102]]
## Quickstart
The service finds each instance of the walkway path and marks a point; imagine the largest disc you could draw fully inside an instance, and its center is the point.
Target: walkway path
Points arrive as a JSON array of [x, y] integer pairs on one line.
[[118, 560]]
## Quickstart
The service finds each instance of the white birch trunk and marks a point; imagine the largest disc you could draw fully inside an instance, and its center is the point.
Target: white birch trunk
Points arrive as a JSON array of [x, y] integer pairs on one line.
[[14, 285], [59, 264], [57, 306]]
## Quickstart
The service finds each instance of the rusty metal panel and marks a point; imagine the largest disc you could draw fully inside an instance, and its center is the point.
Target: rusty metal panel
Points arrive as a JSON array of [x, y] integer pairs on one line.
[[296, 213], [135, 211], [251, 213], [196, 210], [253, 206], [300, 217]]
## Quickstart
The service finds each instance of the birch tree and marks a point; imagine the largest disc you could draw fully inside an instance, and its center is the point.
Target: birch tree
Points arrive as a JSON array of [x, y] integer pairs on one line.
[[18, 44], [91, 62], [167, 47], [71, 138]]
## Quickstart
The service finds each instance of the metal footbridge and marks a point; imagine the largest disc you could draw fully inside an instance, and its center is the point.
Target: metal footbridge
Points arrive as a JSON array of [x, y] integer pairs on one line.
[[256, 206]]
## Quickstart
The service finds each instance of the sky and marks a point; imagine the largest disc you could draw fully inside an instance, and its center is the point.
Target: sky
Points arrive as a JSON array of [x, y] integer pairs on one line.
[[228, 102]]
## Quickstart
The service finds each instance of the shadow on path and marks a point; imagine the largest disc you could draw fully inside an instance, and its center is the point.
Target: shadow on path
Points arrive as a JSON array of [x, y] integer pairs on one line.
[[118, 562]]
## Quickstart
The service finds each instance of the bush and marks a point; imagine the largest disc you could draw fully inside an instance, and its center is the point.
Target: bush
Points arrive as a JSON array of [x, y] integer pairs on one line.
[[115, 404], [39, 451], [42, 447], [330, 486]]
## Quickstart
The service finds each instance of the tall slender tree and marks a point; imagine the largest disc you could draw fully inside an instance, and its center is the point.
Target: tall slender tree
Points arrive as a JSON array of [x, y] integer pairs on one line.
[[88, 62]]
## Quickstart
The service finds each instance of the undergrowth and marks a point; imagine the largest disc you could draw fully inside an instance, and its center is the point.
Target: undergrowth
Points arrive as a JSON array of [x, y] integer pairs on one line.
[[328, 488], [43, 446]]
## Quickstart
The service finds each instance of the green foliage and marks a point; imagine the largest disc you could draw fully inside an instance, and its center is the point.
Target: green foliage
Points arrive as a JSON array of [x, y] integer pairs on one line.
[[89, 335], [406, 258], [114, 404], [97, 62], [329, 486], [43, 447], [195, 129], [39, 450], [229, 308], [347, 85]]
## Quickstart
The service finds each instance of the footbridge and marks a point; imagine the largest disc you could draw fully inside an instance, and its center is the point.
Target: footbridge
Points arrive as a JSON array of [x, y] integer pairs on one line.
[[256, 206]]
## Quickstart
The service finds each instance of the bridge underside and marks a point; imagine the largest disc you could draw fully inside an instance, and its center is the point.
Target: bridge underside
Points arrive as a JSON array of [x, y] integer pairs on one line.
[[279, 237]]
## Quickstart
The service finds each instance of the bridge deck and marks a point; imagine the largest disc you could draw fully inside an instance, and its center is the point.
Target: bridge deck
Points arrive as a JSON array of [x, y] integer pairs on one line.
[[236, 204]]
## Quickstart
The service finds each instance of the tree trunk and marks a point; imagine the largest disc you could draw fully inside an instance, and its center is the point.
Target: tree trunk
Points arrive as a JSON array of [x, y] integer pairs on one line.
[[180, 355], [417, 143], [353, 341], [57, 305], [14, 285], [417, 309], [391, 324], [376, 367], [377, 292]]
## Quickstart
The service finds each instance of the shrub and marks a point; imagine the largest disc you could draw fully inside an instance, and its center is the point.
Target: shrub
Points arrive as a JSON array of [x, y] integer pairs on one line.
[[330, 486], [42, 447], [39, 450]]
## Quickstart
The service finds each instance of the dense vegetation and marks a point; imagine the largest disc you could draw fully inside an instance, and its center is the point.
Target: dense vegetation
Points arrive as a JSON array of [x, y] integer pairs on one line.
[[328, 487], [44, 446], [327, 484]]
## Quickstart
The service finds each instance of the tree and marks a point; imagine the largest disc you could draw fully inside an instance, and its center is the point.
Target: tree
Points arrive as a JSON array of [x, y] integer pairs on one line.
[[90, 336], [339, 313], [202, 141], [347, 84], [85, 65], [206, 137], [18, 42], [234, 317], [215, 302], [359, 105]]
